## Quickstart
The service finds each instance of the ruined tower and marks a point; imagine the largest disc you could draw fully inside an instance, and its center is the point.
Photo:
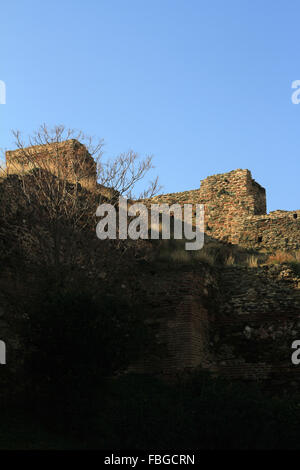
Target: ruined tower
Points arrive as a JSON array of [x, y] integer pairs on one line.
[[69, 160]]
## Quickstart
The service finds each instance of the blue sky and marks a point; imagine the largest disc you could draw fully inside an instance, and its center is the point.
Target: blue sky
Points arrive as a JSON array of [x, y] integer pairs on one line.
[[204, 86]]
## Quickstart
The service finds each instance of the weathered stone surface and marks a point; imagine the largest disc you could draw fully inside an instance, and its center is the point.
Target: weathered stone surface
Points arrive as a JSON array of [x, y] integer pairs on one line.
[[235, 212], [69, 157]]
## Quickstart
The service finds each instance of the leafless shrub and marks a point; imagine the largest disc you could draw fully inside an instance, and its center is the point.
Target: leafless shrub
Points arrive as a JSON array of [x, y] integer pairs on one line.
[[124, 172]]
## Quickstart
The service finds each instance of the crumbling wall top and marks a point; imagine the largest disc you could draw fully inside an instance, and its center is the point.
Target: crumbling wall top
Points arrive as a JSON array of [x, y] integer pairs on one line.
[[69, 157]]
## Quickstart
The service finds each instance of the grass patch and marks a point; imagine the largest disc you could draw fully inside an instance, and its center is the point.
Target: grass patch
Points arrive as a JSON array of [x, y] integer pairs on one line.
[[213, 253], [292, 259]]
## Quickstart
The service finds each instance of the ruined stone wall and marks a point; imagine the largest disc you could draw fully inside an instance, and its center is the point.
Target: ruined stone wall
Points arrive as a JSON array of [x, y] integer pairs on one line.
[[235, 212], [235, 322], [247, 196], [235, 204], [279, 230], [257, 321], [226, 197], [69, 160]]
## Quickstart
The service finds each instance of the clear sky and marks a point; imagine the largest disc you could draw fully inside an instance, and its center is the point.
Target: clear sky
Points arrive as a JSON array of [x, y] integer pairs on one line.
[[204, 86]]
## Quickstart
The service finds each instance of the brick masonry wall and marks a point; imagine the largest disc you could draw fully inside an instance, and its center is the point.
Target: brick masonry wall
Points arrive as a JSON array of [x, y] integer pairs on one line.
[[236, 322], [179, 318], [248, 332]]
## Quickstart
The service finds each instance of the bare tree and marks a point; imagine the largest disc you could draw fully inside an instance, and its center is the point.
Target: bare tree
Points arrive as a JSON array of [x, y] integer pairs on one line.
[[63, 177], [121, 173], [124, 172]]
